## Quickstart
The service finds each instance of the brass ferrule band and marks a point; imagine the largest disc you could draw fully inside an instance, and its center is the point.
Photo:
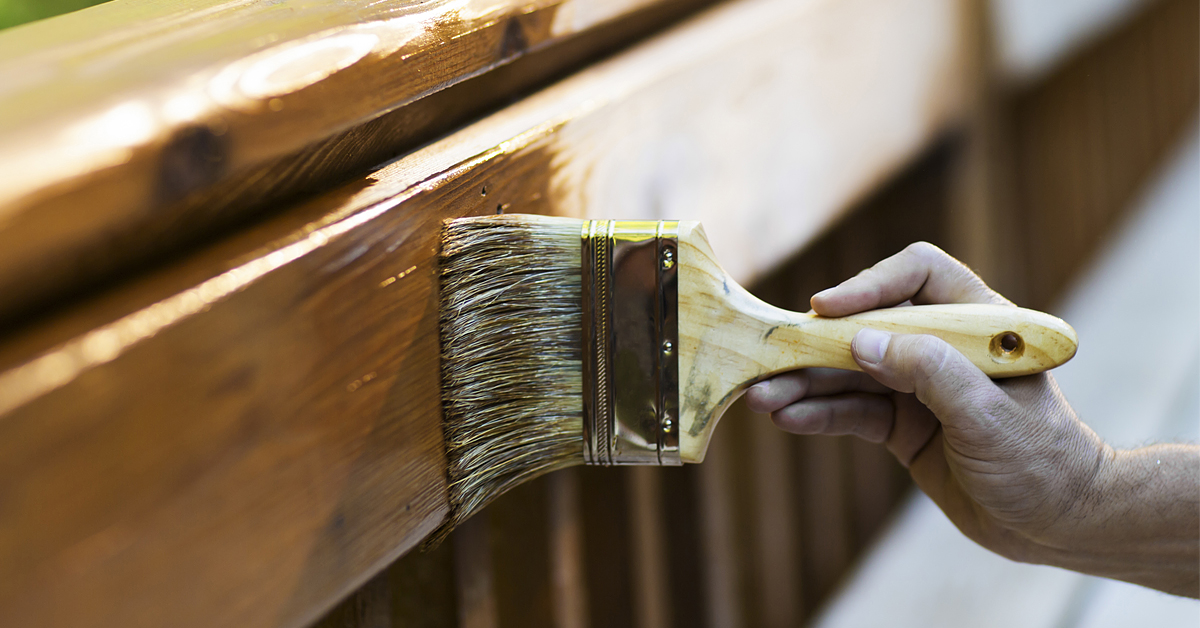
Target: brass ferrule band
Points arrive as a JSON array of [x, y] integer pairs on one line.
[[630, 342]]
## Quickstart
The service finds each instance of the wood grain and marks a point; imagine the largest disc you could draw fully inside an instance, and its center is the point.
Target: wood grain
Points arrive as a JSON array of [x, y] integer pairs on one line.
[[78, 211], [134, 128], [247, 462], [245, 436], [247, 448]]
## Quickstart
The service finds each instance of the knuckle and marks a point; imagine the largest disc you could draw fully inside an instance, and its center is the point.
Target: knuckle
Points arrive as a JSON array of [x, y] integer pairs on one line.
[[820, 421], [926, 250], [802, 418], [868, 279], [930, 255], [941, 262], [974, 285], [872, 431]]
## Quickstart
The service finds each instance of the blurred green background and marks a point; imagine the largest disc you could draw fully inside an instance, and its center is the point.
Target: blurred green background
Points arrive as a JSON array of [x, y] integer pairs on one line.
[[15, 12]]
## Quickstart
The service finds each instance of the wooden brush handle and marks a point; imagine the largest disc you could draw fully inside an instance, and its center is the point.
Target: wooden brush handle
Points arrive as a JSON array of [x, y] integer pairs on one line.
[[1003, 341], [729, 339]]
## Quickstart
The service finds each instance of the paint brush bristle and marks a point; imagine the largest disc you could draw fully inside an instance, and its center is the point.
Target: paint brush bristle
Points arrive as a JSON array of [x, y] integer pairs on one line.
[[511, 329]]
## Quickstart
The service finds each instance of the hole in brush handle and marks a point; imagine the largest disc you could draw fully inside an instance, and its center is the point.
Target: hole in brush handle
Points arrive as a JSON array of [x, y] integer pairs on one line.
[[1006, 346]]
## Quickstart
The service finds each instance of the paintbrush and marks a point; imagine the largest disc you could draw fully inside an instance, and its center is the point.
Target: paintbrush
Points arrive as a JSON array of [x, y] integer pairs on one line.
[[607, 342]]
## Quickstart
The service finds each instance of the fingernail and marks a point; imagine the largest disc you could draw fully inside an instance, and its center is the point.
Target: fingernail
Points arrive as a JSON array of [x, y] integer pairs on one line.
[[871, 345], [822, 294], [763, 386]]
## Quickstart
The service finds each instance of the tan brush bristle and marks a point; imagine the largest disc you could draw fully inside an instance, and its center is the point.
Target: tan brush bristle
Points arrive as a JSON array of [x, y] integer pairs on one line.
[[511, 335]]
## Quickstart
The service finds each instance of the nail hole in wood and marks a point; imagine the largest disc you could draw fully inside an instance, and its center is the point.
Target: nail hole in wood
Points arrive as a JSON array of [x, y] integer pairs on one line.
[[195, 157]]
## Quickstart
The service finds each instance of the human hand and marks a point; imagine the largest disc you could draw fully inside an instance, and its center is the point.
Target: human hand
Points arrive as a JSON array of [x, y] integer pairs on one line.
[[1008, 461]]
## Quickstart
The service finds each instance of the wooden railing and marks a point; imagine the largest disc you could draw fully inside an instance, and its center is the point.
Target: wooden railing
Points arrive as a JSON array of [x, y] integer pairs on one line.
[[219, 387], [137, 126]]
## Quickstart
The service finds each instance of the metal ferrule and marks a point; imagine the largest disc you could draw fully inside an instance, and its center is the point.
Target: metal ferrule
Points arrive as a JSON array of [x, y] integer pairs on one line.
[[630, 342]]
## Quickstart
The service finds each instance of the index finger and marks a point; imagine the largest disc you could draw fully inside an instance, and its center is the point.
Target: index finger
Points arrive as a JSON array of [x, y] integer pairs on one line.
[[921, 273]]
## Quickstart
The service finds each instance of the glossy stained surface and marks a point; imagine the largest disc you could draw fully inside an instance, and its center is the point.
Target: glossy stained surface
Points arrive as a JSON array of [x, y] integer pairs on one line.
[[269, 405], [135, 127], [273, 444]]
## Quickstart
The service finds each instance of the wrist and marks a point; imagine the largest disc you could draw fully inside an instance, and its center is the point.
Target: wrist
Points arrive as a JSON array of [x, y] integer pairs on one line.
[[1137, 520], [1074, 483], [1091, 497], [1080, 487]]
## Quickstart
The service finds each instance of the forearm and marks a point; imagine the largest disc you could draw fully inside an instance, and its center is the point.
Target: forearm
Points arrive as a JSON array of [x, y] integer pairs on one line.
[[1139, 521]]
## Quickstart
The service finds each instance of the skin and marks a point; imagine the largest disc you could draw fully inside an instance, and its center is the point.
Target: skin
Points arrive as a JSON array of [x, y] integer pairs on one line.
[[1008, 461]]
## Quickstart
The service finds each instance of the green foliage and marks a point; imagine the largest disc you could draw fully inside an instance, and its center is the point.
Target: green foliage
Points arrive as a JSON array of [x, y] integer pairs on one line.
[[17, 12]]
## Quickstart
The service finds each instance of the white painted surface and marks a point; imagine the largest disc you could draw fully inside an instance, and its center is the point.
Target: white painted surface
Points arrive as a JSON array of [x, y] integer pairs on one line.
[[1131, 387]]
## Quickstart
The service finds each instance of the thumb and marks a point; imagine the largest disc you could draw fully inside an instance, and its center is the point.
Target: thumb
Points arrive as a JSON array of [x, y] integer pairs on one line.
[[941, 377]]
